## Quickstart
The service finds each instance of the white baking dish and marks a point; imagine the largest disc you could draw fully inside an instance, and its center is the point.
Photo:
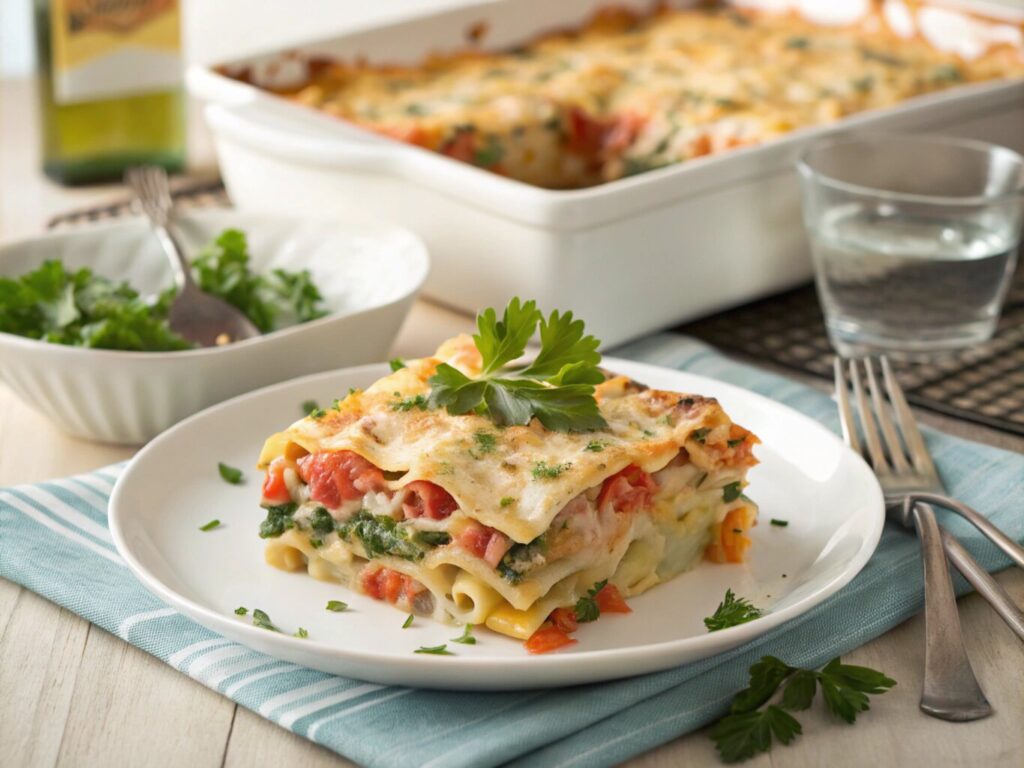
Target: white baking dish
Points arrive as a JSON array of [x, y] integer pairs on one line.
[[629, 256]]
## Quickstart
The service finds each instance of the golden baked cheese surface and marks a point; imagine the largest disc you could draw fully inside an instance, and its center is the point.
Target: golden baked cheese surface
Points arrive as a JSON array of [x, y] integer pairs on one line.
[[627, 93], [515, 479]]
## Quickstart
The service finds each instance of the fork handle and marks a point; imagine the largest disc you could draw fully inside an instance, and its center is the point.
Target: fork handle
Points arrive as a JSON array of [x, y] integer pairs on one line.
[[986, 586], [1012, 549], [951, 691]]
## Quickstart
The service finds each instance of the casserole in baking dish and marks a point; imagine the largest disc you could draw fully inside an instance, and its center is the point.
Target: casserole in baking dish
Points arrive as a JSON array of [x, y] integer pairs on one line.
[[629, 256], [628, 92]]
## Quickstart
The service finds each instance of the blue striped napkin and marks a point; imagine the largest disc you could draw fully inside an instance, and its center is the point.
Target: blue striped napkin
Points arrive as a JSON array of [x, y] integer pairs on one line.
[[54, 541]]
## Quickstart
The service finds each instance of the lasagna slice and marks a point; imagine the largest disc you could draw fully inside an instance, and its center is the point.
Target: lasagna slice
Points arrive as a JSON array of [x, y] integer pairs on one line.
[[455, 518]]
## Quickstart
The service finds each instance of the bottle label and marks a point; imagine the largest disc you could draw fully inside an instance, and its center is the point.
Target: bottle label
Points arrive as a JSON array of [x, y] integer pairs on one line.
[[104, 49]]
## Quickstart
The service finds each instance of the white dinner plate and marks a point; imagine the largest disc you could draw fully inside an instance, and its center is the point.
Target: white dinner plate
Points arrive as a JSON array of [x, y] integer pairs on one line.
[[807, 477]]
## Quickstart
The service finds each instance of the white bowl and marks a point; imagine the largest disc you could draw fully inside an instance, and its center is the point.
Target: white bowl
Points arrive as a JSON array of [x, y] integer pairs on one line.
[[368, 274]]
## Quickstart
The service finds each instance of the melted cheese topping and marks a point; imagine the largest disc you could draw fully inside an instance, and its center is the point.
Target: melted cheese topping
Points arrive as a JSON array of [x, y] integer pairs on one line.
[[626, 93], [536, 472]]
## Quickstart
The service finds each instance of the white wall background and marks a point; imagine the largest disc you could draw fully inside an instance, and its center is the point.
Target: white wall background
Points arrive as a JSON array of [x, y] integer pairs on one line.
[[215, 30]]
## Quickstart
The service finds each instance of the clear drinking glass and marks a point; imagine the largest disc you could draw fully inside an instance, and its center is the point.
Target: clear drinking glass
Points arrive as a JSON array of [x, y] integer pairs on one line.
[[914, 239]]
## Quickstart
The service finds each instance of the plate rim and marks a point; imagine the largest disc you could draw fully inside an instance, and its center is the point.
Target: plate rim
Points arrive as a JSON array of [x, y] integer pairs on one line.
[[574, 666]]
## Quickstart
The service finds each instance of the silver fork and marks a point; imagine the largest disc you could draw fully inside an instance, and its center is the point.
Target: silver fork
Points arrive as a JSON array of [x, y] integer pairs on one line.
[[911, 484], [194, 315]]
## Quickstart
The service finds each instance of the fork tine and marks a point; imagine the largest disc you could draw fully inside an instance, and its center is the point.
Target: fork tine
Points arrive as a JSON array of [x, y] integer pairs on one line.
[[845, 412], [908, 424], [875, 452], [892, 440]]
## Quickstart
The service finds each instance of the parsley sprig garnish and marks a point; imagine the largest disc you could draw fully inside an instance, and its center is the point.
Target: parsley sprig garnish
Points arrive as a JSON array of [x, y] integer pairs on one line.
[[753, 722], [731, 612], [557, 388]]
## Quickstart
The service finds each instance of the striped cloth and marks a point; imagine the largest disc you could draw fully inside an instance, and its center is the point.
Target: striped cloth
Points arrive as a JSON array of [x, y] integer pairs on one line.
[[54, 541]]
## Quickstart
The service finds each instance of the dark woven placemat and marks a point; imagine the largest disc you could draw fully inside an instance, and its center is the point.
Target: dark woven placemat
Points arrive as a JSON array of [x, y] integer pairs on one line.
[[984, 384]]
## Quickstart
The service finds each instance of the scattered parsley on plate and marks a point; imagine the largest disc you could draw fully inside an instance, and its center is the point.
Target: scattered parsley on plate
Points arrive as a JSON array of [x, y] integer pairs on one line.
[[779, 523], [435, 650], [210, 525], [408, 621], [337, 606], [466, 638], [241, 610], [731, 612], [396, 364], [753, 722], [301, 633], [229, 474], [262, 620]]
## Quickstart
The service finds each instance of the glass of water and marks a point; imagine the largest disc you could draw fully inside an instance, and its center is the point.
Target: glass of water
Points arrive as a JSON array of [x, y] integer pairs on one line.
[[914, 239]]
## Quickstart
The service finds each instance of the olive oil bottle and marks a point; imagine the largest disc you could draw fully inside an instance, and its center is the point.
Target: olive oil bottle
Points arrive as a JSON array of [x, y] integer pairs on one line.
[[110, 76]]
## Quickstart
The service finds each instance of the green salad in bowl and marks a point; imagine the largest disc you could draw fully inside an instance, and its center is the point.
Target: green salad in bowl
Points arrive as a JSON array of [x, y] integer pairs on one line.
[[81, 308]]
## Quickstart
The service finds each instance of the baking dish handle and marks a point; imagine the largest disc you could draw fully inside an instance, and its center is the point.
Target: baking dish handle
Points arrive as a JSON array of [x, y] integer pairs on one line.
[[269, 133]]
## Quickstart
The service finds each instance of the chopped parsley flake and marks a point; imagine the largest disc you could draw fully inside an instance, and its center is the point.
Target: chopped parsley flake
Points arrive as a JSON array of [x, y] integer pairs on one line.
[[587, 608], [780, 523], [301, 633], [308, 406], [396, 364], [700, 435], [737, 441], [408, 621], [261, 620], [409, 403], [229, 474], [595, 446], [507, 501], [317, 413], [436, 650], [543, 471], [210, 525], [486, 442], [336, 606], [732, 491], [316, 543], [241, 610], [731, 612], [466, 638]]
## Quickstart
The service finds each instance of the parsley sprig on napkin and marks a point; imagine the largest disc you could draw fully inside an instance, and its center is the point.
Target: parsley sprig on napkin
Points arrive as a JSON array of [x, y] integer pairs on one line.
[[557, 388], [751, 725]]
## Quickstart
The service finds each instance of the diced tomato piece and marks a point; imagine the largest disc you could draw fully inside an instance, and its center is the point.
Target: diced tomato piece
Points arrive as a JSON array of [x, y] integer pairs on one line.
[[586, 134], [425, 499], [548, 638], [393, 582], [483, 542], [388, 584], [462, 146], [337, 476], [610, 600], [564, 619], [498, 545], [628, 490], [275, 490], [621, 132]]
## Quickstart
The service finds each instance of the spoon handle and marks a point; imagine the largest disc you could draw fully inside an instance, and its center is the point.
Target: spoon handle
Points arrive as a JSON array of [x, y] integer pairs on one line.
[[153, 198]]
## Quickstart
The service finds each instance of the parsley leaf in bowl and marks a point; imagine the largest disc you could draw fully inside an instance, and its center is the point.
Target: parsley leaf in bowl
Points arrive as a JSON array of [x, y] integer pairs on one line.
[[83, 309]]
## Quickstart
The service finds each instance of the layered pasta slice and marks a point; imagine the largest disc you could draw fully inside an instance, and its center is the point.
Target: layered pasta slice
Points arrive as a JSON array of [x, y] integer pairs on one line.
[[456, 518]]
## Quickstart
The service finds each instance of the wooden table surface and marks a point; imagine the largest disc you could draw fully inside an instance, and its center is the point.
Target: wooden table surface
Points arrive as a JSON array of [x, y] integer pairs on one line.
[[74, 695]]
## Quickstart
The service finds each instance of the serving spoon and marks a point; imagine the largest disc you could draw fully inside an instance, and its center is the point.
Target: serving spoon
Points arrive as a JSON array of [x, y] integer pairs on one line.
[[194, 315]]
